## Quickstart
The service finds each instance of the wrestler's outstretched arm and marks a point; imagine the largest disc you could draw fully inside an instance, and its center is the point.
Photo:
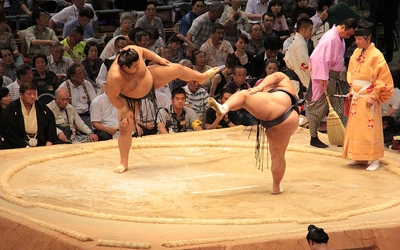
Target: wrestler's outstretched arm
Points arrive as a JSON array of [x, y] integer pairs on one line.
[[149, 55]]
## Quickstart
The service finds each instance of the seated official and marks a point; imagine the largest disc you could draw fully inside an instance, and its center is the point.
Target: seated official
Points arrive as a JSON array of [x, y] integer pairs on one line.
[[231, 119], [177, 118], [27, 122], [70, 126]]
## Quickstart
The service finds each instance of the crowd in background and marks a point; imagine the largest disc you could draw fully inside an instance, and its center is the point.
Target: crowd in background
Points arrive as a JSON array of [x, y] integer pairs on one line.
[[54, 81]]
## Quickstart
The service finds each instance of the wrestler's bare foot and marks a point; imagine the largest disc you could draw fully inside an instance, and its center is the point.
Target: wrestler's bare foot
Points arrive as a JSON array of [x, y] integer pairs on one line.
[[120, 169], [277, 191], [219, 109], [355, 163]]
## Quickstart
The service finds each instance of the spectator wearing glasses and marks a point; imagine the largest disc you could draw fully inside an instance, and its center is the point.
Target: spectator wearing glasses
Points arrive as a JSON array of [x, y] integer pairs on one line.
[[73, 43]]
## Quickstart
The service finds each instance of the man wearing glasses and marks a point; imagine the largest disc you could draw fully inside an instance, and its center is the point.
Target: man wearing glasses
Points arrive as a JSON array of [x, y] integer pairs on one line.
[[73, 43]]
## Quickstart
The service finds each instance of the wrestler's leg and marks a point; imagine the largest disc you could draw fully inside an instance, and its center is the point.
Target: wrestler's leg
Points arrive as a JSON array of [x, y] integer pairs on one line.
[[124, 141], [235, 102], [164, 74], [278, 139]]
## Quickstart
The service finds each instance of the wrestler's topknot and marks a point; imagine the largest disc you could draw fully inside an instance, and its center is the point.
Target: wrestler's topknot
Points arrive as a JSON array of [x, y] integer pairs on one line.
[[127, 57]]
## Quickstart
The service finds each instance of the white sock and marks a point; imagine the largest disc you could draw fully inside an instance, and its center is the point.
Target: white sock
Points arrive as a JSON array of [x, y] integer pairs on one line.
[[224, 108], [373, 166]]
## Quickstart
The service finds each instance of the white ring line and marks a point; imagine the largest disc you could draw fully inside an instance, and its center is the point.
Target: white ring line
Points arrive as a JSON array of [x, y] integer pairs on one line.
[[222, 190], [198, 176]]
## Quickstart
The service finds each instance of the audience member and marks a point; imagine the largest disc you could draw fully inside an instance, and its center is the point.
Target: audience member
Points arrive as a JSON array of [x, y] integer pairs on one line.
[[7, 39], [9, 65], [317, 239], [150, 20], [142, 39], [45, 81], [392, 106], [104, 117], [245, 59], [239, 83], [177, 118], [200, 30], [199, 60], [237, 14], [224, 76], [39, 37], [91, 62], [255, 9], [5, 99], [271, 48], [326, 62], [147, 118], [70, 13], [125, 22], [58, 63], [230, 119], [70, 126], [4, 80], [268, 32], [80, 90], [297, 59], [271, 66], [24, 8], [302, 8], [24, 74], [83, 20], [73, 43], [155, 41], [232, 31], [27, 122], [216, 48], [256, 44], [280, 25], [239, 80], [178, 45], [395, 75], [196, 98], [186, 21]]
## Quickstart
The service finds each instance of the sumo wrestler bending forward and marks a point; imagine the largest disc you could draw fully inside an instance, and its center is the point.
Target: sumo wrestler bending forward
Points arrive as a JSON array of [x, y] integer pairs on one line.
[[274, 102], [129, 80]]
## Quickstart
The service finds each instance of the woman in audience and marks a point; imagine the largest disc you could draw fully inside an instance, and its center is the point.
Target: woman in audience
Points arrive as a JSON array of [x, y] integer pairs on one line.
[[4, 80], [280, 25], [45, 81], [9, 65], [150, 20], [271, 66], [91, 62], [199, 64], [125, 22], [178, 44], [7, 39], [224, 76], [155, 41], [241, 42]]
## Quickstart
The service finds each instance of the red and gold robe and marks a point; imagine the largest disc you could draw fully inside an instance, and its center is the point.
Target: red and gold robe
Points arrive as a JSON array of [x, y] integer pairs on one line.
[[369, 76]]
